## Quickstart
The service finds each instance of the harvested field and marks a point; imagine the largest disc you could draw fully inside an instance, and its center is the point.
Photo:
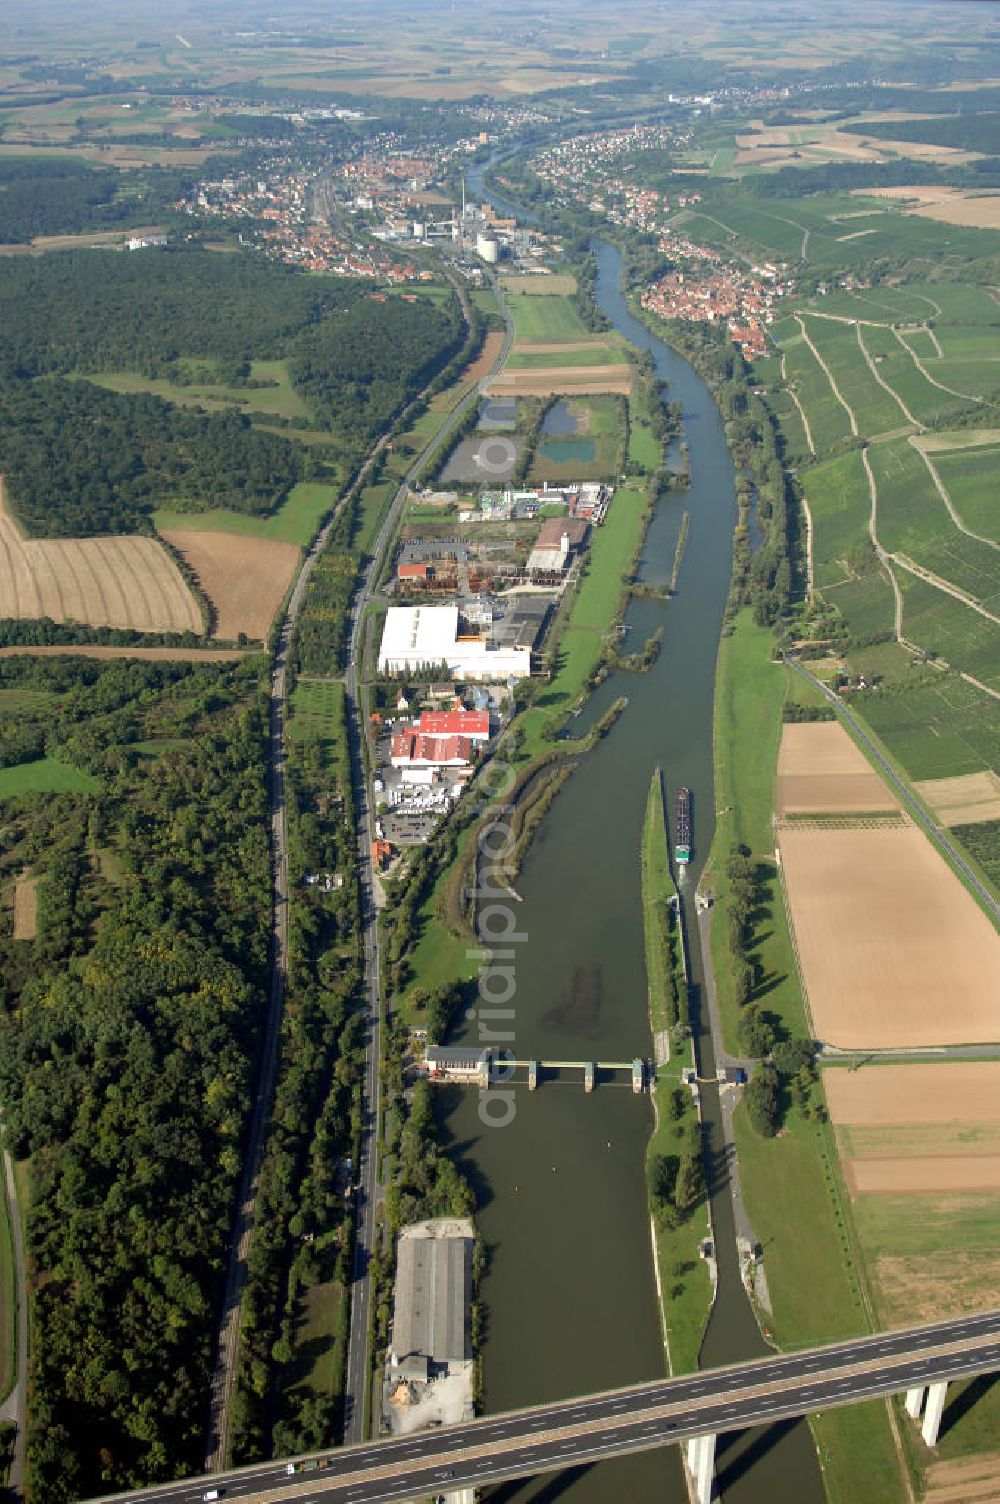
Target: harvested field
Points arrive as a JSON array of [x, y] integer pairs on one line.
[[951, 206], [964, 1480], [25, 906], [962, 801], [560, 284], [557, 347], [942, 1173], [932, 1285], [894, 952], [822, 771], [105, 582], [962, 1091], [562, 380], [151, 655], [246, 579], [956, 438]]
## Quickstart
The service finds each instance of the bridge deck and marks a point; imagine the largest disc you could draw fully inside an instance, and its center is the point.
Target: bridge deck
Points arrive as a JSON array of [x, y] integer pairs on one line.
[[548, 1438]]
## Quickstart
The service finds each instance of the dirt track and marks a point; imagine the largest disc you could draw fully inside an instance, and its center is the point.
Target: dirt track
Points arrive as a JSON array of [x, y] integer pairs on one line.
[[25, 906], [152, 655], [246, 579], [894, 951]]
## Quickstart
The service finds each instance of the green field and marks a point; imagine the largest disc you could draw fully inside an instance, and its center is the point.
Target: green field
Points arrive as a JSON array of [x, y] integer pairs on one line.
[[837, 493], [317, 710], [294, 522], [913, 520], [896, 366], [319, 1343], [942, 625], [778, 231], [373, 504], [276, 399], [914, 1239], [875, 410], [589, 355], [970, 478], [596, 603], [828, 422], [750, 690], [45, 776], [553, 318], [938, 726]]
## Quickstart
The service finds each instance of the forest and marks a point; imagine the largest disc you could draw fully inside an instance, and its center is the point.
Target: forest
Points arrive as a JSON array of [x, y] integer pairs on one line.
[[64, 197], [303, 1237], [965, 131], [79, 459], [128, 1039]]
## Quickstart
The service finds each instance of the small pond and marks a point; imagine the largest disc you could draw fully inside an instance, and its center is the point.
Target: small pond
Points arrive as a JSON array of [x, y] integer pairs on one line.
[[560, 421]]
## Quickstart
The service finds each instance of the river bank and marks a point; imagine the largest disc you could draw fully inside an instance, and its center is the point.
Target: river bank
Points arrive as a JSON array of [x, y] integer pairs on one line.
[[563, 1208]]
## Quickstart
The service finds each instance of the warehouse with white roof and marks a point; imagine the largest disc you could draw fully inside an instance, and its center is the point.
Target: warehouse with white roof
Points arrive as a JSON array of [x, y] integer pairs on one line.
[[416, 638]]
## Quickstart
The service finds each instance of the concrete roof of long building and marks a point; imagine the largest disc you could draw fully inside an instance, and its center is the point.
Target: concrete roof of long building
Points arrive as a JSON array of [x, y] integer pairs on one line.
[[433, 1291]]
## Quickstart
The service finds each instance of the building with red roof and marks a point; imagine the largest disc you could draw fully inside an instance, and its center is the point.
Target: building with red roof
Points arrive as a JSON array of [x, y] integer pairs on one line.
[[474, 724], [413, 749]]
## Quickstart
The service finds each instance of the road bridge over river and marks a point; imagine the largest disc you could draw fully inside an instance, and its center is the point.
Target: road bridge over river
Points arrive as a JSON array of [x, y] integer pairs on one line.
[[691, 1411]]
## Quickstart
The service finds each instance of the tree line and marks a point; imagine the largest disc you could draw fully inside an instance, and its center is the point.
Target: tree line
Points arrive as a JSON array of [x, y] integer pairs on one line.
[[303, 1234]]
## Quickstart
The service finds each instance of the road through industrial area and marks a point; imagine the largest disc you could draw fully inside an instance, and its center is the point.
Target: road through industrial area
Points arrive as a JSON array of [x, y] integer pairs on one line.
[[366, 1178], [551, 1437]]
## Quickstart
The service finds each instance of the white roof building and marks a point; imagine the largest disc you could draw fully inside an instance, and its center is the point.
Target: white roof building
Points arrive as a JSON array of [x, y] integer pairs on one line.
[[421, 637]]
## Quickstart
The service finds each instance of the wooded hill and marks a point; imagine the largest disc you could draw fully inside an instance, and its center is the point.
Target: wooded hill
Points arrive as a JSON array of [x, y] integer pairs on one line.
[[79, 460]]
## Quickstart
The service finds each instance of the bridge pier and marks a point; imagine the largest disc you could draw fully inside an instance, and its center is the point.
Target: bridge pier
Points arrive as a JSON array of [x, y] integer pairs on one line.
[[935, 1409], [915, 1402], [701, 1465]]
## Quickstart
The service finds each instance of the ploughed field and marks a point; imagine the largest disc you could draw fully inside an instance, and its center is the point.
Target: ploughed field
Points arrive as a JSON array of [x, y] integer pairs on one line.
[[894, 952], [127, 582], [820, 770]]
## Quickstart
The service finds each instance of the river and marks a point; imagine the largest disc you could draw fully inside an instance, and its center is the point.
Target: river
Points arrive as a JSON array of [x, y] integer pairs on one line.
[[569, 1288]]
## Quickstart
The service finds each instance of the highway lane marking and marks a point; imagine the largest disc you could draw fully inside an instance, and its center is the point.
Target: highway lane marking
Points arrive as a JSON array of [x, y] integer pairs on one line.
[[777, 1404], [852, 1374]]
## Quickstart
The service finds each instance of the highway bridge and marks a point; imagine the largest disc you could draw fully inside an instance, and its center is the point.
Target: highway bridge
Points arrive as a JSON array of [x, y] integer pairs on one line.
[[691, 1411]]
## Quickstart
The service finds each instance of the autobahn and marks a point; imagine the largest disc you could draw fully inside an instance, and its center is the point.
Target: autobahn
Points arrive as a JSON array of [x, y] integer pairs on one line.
[[551, 1437], [366, 1176]]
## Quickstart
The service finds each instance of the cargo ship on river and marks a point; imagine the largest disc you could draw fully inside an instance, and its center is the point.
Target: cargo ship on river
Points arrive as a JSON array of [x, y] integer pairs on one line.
[[682, 828]]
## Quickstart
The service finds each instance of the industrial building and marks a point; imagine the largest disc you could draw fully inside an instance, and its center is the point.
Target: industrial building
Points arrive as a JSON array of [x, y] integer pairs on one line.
[[558, 541], [429, 1372], [430, 1328], [417, 638], [473, 724], [458, 1062]]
